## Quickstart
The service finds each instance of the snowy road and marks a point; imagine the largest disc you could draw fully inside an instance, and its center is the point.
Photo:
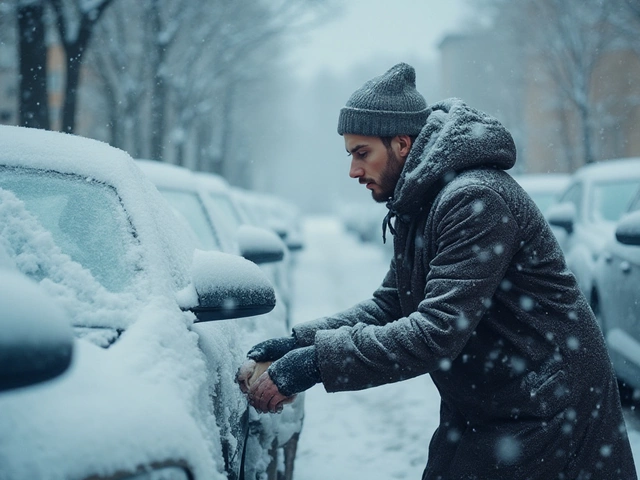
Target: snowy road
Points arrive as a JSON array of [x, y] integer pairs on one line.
[[377, 433]]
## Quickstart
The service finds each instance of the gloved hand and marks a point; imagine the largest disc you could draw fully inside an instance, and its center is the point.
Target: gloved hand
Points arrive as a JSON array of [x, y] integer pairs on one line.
[[293, 373], [272, 349]]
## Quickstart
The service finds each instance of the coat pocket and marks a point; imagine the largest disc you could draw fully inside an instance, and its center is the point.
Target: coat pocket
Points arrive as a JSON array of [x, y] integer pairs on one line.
[[548, 394]]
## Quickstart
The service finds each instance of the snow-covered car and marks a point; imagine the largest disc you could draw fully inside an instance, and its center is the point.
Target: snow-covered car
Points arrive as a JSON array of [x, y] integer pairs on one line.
[[616, 298], [36, 342], [584, 217], [364, 220], [273, 212], [151, 390], [200, 199], [543, 188]]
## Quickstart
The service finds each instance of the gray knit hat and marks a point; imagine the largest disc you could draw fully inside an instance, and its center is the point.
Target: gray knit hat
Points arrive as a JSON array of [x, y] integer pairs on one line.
[[385, 106]]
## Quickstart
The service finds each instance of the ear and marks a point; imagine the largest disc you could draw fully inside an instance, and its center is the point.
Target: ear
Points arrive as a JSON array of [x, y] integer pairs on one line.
[[403, 144]]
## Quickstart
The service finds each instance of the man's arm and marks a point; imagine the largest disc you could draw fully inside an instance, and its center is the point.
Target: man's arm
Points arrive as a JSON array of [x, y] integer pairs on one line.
[[477, 237], [382, 308]]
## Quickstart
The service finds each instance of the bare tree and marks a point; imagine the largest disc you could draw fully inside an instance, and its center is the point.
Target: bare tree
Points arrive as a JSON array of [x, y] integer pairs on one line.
[[120, 62], [626, 18], [563, 41], [34, 106], [75, 20]]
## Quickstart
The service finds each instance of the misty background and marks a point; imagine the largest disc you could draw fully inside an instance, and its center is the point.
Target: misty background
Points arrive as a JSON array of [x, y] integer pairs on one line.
[[251, 90]]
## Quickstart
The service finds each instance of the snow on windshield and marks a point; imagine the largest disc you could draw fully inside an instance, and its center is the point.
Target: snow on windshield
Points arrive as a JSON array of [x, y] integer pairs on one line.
[[36, 254], [84, 217]]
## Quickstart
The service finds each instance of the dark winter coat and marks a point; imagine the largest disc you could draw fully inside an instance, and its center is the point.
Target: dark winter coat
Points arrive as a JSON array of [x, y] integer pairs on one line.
[[478, 295]]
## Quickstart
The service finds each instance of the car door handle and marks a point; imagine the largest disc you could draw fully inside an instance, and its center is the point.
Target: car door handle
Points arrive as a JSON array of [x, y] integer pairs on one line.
[[625, 267]]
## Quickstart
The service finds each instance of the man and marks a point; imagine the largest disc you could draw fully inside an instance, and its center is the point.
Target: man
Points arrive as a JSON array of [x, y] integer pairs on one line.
[[477, 295]]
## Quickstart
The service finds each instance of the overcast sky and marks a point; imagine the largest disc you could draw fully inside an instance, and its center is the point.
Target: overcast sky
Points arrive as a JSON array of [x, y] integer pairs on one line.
[[368, 28]]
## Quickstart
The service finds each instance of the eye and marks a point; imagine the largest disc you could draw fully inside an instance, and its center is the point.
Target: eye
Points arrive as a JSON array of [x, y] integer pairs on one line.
[[362, 154]]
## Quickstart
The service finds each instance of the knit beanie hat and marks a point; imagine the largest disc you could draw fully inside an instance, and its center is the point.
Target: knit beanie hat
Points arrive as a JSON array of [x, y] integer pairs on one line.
[[385, 106]]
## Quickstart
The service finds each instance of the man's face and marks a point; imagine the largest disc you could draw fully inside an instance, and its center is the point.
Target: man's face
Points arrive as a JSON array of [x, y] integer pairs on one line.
[[375, 165]]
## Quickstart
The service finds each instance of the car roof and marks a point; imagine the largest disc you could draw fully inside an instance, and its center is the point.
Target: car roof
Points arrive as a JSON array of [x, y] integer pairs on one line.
[[212, 182], [610, 169], [543, 182], [64, 153], [167, 175]]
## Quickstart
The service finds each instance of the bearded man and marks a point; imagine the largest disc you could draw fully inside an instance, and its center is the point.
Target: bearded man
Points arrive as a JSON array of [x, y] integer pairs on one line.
[[478, 296]]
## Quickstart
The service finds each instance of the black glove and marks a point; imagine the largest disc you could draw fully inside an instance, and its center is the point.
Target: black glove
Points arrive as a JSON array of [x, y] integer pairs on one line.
[[272, 349], [296, 372]]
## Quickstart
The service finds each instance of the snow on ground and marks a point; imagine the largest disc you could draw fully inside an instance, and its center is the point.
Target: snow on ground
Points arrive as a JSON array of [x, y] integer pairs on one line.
[[382, 432]]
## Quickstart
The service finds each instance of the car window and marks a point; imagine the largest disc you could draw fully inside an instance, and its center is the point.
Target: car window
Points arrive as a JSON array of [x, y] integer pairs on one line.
[[573, 195], [225, 211], [609, 200], [635, 204], [189, 205], [85, 218]]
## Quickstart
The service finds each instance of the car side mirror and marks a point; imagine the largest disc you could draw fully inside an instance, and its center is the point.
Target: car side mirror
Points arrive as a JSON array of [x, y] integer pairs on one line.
[[36, 343], [260, 245], [226, 286], [562, 215], [628, 229], [294, 243]]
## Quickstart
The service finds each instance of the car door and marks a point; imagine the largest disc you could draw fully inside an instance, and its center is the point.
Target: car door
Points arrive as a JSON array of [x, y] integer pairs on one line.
[[623, 284]]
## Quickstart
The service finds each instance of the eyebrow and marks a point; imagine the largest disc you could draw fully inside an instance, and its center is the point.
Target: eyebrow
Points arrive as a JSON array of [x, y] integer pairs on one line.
[[357, 147]]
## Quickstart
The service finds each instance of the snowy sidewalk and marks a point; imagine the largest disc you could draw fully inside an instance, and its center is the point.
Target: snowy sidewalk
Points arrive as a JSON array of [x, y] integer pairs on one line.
[[382, 432]]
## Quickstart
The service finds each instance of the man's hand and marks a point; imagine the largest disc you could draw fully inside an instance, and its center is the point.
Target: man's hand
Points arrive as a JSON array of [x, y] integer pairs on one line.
[[272, 349], [249, 372], [265, 397], [296, 372]]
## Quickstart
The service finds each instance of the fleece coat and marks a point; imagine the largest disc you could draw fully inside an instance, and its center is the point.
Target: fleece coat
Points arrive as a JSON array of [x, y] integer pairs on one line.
[[478, 295]]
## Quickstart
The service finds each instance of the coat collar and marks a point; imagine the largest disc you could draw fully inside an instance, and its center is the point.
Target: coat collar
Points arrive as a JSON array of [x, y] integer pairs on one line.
[[454, 138]]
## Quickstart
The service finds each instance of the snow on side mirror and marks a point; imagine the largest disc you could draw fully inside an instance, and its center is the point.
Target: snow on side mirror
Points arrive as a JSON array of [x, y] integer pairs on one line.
[[36, 343], [562, 215], [628, 229], [260, 245], [228, 286]]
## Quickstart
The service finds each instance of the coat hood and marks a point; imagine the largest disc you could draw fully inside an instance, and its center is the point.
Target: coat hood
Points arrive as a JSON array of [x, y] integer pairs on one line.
[[455, 137]]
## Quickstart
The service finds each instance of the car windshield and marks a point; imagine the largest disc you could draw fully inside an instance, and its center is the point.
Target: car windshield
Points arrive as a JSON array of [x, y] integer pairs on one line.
[[85, 218], [190, 207], [611, 199], [225, 211]]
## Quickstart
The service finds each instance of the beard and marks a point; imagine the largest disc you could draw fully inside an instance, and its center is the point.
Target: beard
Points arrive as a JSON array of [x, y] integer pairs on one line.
[[388, 178]]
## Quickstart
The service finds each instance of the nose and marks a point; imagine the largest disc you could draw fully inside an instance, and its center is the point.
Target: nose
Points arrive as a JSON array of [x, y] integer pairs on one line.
[[355, 171]]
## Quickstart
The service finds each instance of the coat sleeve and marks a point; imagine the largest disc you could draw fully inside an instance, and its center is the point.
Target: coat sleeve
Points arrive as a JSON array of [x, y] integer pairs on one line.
[[383, 307], [476, 236]]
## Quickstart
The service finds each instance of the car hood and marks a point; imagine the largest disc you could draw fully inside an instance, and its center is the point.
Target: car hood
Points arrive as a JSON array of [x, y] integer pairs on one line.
[[143, 400]]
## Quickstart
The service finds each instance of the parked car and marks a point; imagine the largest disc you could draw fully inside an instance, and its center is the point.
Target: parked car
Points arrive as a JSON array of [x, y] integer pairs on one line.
[[584, 217], [273, 213], [364, 220], [543, 188], [616, 299], [151, 392], [202, 200]]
